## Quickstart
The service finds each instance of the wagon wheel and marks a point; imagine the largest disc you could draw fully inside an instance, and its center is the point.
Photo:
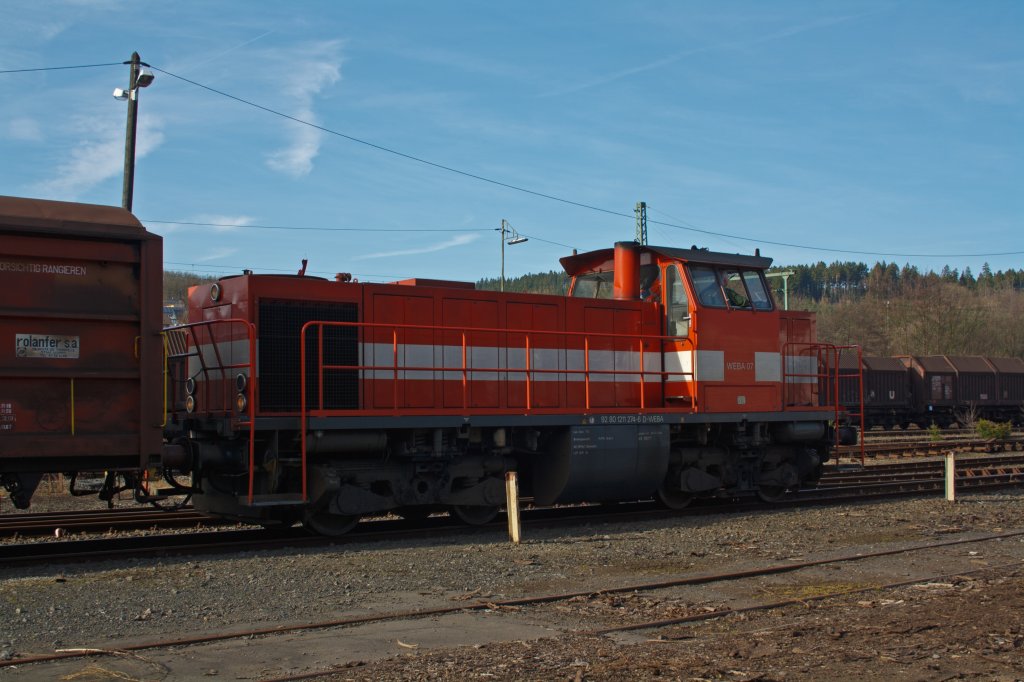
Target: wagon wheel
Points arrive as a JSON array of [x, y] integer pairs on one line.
[[474, 515], [673, 499], [330, 525]]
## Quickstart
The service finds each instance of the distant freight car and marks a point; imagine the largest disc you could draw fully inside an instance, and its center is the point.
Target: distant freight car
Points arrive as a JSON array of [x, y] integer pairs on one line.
[[939, 389]]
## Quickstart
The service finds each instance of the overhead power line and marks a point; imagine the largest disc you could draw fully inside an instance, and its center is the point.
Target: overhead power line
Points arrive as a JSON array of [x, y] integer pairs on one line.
[[60, 68], [681, 225], [345, 229], [319, 229]]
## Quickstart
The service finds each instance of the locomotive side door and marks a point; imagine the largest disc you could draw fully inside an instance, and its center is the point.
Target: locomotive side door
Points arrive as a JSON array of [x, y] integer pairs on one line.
[[678, 352]]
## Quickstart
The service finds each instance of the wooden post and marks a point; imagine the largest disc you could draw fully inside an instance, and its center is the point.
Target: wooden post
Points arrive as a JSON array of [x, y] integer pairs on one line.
[[512, 505], [950, 477]]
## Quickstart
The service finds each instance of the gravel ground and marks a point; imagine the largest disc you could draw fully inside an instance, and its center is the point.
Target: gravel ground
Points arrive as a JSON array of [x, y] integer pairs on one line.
[[59, 606]]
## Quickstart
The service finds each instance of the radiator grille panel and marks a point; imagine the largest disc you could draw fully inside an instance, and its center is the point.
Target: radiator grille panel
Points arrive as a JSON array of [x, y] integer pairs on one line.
[[280, 323]]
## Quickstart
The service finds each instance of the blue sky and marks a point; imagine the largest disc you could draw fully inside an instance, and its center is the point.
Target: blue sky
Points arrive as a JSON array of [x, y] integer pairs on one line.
[[869, 126]]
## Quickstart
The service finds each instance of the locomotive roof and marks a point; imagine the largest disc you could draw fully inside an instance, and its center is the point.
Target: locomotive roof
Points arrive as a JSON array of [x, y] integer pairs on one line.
[[41, 215], [585, 262]]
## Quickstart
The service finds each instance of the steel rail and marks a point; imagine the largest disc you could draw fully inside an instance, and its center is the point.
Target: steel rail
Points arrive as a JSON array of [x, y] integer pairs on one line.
[[829, 490], [702, 579], [101, 520]]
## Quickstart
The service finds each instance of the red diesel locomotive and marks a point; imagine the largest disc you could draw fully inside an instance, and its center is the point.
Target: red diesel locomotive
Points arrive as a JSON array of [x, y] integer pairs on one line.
[[664, 372]]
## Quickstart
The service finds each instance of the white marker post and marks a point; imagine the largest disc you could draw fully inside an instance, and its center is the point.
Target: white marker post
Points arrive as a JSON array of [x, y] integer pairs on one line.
[[512, 505], [950, 477]]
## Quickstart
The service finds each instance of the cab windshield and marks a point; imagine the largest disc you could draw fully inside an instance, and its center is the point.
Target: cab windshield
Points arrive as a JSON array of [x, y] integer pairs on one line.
[[730, 287]]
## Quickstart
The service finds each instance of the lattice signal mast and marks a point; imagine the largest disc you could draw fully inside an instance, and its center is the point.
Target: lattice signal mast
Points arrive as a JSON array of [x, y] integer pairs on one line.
[[641, 222]]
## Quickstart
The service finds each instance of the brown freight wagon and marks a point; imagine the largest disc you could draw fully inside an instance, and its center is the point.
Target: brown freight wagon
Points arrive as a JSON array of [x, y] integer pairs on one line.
[[887, 395], [80, 341], [933, 380], [976, 388], [1010, 392]]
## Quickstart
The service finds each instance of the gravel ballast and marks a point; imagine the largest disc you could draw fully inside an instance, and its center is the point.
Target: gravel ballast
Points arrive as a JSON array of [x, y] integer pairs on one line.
[[110, 603]]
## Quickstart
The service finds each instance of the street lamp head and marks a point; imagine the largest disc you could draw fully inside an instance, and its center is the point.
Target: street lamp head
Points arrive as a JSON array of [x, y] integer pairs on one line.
[[120, 94], [517, 240], [145, 78]]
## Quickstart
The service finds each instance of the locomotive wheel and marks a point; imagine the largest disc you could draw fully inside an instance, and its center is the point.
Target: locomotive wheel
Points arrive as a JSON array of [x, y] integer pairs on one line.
[[329, 525], [474, 515], [673, 499]]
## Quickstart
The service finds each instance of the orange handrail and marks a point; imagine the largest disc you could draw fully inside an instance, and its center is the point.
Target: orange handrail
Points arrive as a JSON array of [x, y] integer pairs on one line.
[[827, 370], [227, 405]]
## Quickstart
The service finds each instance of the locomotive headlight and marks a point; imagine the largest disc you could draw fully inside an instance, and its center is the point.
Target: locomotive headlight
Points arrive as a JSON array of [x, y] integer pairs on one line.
[[241, 402], [190, 404], [215, 293], [190, 386], [241, 381]]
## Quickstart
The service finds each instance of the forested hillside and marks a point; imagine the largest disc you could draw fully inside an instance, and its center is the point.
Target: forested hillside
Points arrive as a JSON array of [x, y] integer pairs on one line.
[[176, 286], [887, 309], [554, 282], [890, 310]]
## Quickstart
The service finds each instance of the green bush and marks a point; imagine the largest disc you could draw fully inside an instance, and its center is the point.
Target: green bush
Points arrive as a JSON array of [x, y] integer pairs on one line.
[[989, 429], [934, 432]]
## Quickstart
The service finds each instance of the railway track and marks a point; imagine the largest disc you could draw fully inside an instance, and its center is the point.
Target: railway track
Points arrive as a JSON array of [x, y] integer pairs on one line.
[[160, 648], [924, 434], [101, 520], [918, 448], [838, 485]]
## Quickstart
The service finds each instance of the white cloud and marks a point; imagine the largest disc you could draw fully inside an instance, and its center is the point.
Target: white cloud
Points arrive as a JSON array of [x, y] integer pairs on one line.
[[302, 75], [98, 155], [782, 34], [25, 129], [216, 254], [460, 240]]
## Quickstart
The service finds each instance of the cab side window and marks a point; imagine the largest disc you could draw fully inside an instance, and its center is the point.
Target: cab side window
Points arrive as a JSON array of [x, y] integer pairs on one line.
[[735, 293], [758, 293], [678, 308], [705, 282]]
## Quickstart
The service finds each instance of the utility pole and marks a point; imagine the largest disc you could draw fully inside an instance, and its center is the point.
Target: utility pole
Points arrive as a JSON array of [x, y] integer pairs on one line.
[[515, 238], [129, 133], [139, 76], [641, 223]]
